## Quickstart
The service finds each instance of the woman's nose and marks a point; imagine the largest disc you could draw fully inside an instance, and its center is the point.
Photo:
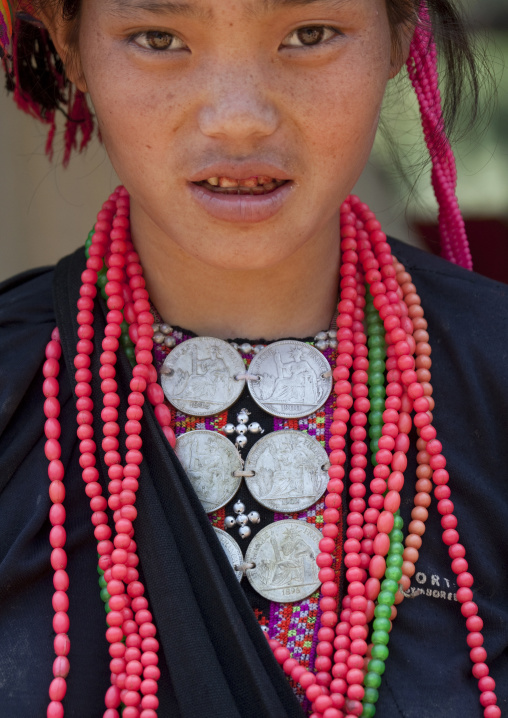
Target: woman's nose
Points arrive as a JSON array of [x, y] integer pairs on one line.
[[237, 106]]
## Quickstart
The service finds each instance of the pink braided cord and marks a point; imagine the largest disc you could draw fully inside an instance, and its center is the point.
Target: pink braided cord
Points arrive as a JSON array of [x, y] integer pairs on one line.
[[423, 73]]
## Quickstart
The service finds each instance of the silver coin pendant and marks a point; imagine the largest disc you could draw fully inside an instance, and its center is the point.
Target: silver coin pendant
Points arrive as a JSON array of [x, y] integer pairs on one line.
[[210, 461], [290, 471], [284, 554], [198, 376], [231, 549], [295, 379]]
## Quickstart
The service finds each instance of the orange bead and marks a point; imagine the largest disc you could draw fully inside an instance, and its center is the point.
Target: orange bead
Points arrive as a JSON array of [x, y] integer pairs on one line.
[[411, 555], [422, 498], [416, 527], [420, 513], [414, 541], [408, 568]]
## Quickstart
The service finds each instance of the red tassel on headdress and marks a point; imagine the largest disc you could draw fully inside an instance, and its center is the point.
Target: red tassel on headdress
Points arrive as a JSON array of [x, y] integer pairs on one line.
[[36, 77]]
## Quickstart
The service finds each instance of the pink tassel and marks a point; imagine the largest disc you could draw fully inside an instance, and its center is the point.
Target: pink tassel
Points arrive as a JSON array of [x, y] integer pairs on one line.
[[422, 69]]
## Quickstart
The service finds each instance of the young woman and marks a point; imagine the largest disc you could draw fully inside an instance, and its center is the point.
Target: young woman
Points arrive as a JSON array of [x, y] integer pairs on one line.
[[254, 317]]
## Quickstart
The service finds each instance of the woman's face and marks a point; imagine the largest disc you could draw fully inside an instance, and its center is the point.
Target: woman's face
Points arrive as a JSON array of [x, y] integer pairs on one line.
[[191, 90]]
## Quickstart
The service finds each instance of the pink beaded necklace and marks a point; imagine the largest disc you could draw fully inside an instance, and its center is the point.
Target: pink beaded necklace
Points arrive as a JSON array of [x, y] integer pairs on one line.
[[337, 688]]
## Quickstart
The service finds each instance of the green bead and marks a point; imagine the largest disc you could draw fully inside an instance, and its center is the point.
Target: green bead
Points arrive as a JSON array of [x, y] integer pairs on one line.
[[372, 680], [380, 638], [376, 378], [369, 710], [125, 341], [380, 652], [377, 365], [371, 695], [376, 431], [129, 353], [382, 611], [376, 666], [374, 449], [105, 595], [377, 403], [394, 559], [399, 521], [107, 608], [388, 585], [102, 582], [100, 571], [396, 548], [386, 598], [381, 624], [377, 390], [396, 536], [375, 329], [376, 418], [376, 341], [377, 353], [394, 573], [102, 279]]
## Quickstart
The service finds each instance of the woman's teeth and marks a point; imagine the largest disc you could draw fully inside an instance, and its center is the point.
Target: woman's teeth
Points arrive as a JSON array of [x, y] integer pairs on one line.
[[251, 185]]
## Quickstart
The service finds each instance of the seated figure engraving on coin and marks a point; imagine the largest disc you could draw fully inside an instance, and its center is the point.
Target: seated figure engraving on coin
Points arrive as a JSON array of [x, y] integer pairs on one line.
[[199, 376], [210, 460], [284, 554], [291, 379], [289, 471]]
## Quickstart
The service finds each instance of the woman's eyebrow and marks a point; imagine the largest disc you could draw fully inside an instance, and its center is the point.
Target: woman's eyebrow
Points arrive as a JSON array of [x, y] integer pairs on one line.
[[125, 8], [192, 9]]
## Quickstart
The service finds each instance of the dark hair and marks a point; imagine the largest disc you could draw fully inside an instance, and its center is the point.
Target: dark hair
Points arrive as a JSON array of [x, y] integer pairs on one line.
[[37, 76]]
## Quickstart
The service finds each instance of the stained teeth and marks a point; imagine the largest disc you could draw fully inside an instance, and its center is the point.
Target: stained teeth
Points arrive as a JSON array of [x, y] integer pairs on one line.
[[214, 181], [264, 179], [249, 182], [228, 182]]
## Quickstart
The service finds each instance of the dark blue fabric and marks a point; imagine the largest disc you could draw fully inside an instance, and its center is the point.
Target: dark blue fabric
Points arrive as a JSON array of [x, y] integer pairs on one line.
[[211, 644]]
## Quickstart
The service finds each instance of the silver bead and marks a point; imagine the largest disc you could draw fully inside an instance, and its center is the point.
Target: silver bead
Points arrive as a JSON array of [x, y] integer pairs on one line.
[[243, 416], [170, 342], [241, 441], [244, 532], [166, 328], [254, 517], [332, 334], [255, 428], [229, 522], [242, 519], [241, 429], [233, 344], [246, 348], [265, 629], [155, 327], [229, 429], [322, 344], [158, 337], [333, 343], [321, 336], [239, 507], [257, 348]]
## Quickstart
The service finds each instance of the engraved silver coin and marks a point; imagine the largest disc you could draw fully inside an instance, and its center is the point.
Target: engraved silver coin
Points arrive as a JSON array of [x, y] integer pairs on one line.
[[210, 461], [291, 380], [231, 549], [290, 471], [198, 376], [284, 554]]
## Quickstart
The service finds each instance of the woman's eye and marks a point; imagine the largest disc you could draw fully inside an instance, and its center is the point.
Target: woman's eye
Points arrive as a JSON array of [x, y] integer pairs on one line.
[[158, 41], [308, 36]]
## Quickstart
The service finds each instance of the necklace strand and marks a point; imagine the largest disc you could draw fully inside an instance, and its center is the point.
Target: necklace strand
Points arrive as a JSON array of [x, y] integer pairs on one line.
[[347, 685]]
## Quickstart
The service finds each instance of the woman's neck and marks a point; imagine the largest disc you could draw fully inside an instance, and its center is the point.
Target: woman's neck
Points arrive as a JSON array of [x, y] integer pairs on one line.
[[296, 298]]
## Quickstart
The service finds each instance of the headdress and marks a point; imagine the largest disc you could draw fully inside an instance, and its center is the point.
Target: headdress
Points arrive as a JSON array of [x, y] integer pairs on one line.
[[25, 65]]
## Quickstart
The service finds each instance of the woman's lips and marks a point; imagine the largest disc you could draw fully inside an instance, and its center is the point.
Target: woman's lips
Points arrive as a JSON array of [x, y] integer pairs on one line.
[[240, 207]]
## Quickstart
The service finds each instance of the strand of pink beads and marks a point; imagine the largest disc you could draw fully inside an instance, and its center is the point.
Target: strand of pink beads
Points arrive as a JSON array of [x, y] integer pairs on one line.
[[336, 689]]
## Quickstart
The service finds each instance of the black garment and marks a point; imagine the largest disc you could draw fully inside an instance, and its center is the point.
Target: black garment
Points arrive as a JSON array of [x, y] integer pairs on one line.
[[214, 658]]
